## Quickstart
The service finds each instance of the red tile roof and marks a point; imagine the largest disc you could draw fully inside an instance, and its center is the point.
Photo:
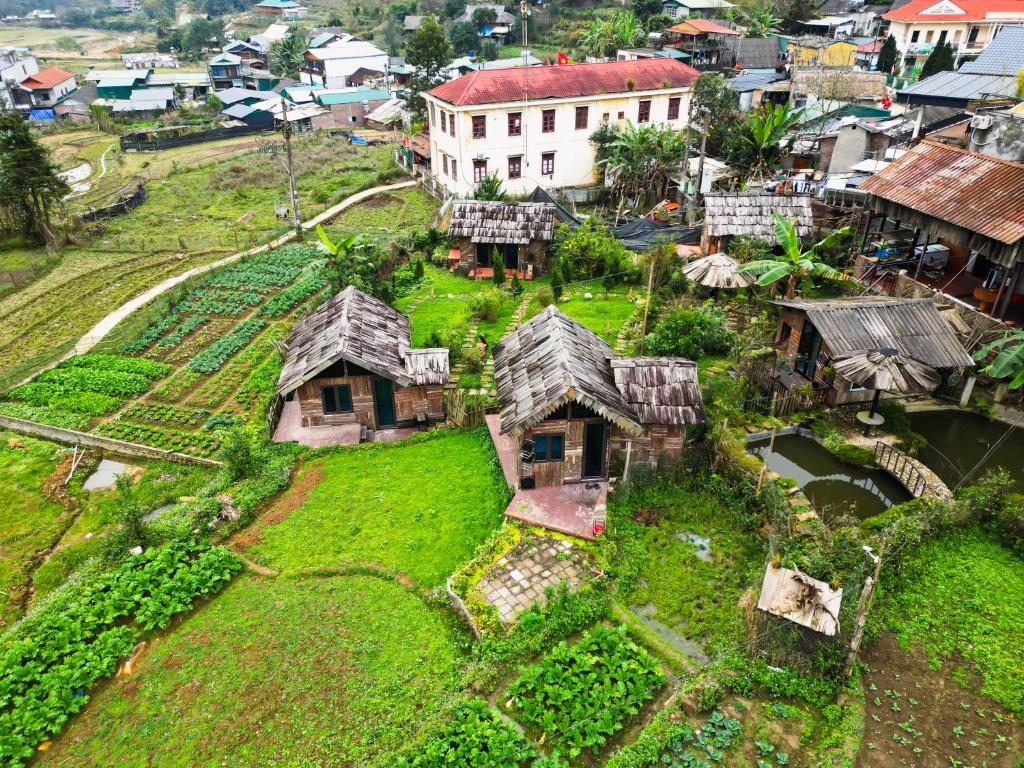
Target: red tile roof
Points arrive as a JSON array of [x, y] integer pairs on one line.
[[973, 10], [494, 86], [979, 193], [870, 47], [701, 26], [46, 79]]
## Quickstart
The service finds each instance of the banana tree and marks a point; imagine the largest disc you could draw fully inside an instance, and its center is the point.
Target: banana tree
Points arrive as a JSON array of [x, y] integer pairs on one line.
[[764, 131], [1009, 359], [338, 254], [794, 264]]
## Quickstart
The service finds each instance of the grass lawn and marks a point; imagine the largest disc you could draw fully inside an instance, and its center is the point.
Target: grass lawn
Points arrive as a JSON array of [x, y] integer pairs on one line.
[[605, 316], [697, 598], [442, 283], [416, 508], [282, 672], [448, 317], [29, 521], [961, 597], [388, 215]]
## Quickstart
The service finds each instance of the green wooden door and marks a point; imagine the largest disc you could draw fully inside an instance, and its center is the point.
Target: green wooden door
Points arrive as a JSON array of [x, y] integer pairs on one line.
[[384, 402]]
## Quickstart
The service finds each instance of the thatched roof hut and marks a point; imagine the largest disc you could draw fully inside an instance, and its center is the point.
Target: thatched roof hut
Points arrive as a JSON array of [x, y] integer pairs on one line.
[[362, 330], [487, 221], [746, 213], [552, 359]]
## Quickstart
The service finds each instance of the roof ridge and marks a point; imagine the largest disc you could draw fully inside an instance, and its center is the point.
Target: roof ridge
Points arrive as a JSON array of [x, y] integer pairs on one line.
[[970, 153]]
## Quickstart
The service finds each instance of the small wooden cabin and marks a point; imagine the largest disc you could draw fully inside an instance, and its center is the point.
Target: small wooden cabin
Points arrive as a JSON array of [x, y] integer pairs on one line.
[[577, 409], [514, 236], [728, 214], [351, 361], [813, 332]]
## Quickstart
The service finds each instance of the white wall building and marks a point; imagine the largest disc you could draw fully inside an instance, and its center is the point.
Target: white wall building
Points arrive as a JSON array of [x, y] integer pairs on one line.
[[532, 125], [968, 25], [343, 64], [15, 66]]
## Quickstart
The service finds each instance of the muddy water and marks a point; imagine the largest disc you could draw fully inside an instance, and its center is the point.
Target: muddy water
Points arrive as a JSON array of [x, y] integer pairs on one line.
[[832, 487], [959, 442], [105, 476]]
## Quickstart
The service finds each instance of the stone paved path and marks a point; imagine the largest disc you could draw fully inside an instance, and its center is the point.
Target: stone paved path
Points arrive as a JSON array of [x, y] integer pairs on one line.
[[519, 579]]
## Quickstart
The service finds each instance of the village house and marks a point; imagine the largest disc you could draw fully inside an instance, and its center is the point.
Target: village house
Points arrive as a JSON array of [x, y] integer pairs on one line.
[[286, 10], [821, 51], [44, 89], [225, 71], [728, 214], [696, 9], [343, 64], [350, 373], [15, 66], [532, 126], [967, 25], [351, 106], [490, 234], [575, 410], [950, 219], [703, 41], [812, 333], [150, 60]]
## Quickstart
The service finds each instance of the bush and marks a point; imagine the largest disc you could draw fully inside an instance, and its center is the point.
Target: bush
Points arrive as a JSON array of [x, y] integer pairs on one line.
[[486, 305], [589, 251], [545, 296], [691, 332], [854, 455]]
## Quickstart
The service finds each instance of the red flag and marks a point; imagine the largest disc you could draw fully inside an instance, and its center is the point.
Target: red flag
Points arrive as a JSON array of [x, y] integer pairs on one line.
[[562, 58], [886, 103]]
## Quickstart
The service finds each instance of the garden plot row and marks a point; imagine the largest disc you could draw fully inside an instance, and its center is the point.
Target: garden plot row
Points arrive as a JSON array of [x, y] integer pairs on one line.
[[208, 336]]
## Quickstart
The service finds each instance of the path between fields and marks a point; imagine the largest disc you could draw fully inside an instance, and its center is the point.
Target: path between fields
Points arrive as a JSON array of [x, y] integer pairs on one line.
[[107, 324]]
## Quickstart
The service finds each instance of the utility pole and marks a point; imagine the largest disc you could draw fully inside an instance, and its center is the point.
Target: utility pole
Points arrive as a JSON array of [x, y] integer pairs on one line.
[[686, 152], [286, 131]]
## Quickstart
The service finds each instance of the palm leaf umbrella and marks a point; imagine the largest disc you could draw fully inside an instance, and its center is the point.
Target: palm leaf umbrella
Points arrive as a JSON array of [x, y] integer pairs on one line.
[[717, 270], [888, 370]]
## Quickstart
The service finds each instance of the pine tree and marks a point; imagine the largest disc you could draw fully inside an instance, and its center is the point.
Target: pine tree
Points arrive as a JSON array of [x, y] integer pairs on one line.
[[428, 52], [887, 56], [499, 267], [939, 60], [29, 185]]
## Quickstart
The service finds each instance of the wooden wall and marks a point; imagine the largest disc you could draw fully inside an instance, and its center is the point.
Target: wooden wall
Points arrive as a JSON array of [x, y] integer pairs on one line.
[[534, 253], [657, 441], [409, 401]]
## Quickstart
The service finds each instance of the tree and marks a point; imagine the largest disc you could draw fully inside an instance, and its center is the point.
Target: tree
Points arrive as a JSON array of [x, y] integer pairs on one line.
[[499, 267], [286, 56], [887, 56], [463, 35], [794, 264], [645, 9], [30, 188], [489, 188], [428, 52], [334, 20], [692, 332], [641, 159], [484, 17], [718, 107], [1009, 358], [202, 34], [760, 19], [622, 30], [939, 60], [454, 8], [588, 251], [760, 137], [797, 11]]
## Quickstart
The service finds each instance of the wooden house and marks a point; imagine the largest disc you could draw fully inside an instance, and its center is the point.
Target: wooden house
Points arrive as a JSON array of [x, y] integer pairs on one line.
[[350, 361], [750, 213], [576, 409], [813, 332], [489, 232]]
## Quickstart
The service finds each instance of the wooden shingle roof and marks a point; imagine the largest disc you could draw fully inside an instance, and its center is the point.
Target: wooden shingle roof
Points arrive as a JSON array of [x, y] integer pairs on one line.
[[912, 326], [486, 221], [552, 359], [744, 213], [363, 330]]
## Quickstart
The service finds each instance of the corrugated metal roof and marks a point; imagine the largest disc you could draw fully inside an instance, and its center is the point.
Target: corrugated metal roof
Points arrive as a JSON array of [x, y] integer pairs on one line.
[[913, 326], [1003, 56], [979, 193], [961, 86], [494, 86], [351, 96]]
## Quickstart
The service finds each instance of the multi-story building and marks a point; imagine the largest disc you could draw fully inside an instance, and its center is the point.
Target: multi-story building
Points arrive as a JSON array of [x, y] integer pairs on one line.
[[967, 25], [45, 89], [532, 125], [343, 64]]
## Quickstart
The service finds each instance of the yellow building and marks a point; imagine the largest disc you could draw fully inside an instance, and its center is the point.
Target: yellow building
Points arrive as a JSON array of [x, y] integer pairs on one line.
[[821, 52]]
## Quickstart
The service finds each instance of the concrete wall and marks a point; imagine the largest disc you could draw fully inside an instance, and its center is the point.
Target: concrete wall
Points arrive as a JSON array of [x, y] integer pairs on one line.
[[1004, 139], [573, 152]]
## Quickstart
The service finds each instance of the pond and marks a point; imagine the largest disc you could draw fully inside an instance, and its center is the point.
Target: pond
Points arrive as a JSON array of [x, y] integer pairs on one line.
[[833, 487], [961, 441]]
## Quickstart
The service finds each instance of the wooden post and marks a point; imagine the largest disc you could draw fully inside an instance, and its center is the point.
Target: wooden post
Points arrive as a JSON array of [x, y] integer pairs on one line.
[[625, 469], [863, 609]]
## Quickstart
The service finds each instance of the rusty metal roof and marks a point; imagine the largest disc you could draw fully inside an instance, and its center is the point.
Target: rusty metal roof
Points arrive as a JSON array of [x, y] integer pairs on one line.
[[981, 194]]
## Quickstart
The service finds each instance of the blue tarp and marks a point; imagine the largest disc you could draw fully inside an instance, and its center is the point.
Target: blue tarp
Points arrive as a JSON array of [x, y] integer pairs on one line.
[[42, 114], [358, 140]]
